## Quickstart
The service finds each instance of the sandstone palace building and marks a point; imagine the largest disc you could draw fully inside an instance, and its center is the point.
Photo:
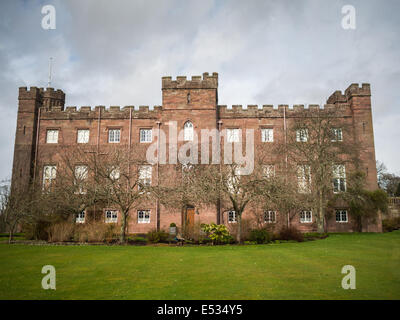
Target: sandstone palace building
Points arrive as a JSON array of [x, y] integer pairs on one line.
[[44, 125]]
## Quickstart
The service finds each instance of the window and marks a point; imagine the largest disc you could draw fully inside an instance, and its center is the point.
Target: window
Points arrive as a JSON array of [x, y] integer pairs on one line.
[[188, 98], [49, 175], [341, 216], [232, 135], [80, 217], [143, 216], [269, 171], [304, 178], [111, 216], [302, 135], [52, 136], [306, 216], [83, 136], [145, 135], [81, 174], [114, 135], [145, 176], [339, 178], [270, 216], [115, 173], [232, 217], [267, 135], [188, 131], [337, 134]]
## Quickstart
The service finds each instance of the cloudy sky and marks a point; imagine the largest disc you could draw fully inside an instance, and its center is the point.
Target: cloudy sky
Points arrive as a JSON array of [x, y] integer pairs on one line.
[[266, 52]]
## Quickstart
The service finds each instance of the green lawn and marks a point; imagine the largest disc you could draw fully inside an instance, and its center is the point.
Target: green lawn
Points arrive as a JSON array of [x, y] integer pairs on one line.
[[308, 270]]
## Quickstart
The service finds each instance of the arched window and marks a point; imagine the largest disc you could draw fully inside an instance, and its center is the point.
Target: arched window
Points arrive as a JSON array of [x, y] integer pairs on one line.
[[188, 98], [188, 131]]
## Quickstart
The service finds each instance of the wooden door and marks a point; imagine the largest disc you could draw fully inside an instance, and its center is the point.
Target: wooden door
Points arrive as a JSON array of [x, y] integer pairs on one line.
[[190, 220]]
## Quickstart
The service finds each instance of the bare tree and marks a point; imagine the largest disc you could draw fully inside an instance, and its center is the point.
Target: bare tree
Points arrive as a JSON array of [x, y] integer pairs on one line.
[[320, 145]]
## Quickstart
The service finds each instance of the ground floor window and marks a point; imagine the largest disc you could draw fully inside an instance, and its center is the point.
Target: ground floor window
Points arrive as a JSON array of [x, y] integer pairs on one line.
[[232, 216], [143, 216], [111, 216], [341, 216], [270, 216], [80, 217], [306, 216]]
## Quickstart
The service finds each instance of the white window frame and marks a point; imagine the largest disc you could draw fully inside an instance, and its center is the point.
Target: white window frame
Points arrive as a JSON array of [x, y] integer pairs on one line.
[[188, 131], [339, 178], [52, 136], [267, 135], [143, 216], [145, 175], [337, 134], [269, 171], [233, 135], [269, 216], [114, 135], [304, 184], [49, 175], [81, 175], [341, 213], [145, 135], [113, 216], [232, 217], [302, 135], [80, 217], [306, 216], [83, 135]]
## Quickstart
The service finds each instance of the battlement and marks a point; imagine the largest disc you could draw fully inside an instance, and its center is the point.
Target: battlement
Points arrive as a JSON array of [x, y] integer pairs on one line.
[[353, 90], [207, 82]]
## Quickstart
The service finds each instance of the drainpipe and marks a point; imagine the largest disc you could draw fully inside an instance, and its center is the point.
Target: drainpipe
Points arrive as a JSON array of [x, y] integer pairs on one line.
[[37, 145], [286, 155], [158, 175], [220, 169]]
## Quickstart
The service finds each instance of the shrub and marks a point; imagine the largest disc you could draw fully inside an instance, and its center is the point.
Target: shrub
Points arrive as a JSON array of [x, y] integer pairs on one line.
[[96, 232], [155, 236], [388, 225], [62, 231], [36, 230], [218, 233], [291, 233], [139, 240], [260, 236]]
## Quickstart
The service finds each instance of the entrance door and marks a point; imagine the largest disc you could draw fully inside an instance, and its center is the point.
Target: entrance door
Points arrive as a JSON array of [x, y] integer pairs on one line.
[[189, 220]]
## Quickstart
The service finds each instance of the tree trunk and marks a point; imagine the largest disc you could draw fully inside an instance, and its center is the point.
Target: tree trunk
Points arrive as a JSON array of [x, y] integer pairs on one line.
[[239, 231], [123, 228], [320, 220], [10, 237]]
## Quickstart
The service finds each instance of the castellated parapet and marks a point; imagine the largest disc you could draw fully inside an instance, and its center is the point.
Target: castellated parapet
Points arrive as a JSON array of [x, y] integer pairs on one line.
[[207, 82]]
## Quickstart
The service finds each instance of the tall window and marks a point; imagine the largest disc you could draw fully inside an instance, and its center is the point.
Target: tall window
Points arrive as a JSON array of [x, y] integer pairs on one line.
[[145, 176], [306, 216], [232, 135], [270, 216], [269, 171], [111, 216], [232, 217], [52, 136], [83, 136], [339, 178], [81, 174], [188, 131], [145, 135], [302, 135], [337, 134], [267, 135], [144, 216], [304, 178], [80, 217], [49, 175], [114, 135], [341, 216]]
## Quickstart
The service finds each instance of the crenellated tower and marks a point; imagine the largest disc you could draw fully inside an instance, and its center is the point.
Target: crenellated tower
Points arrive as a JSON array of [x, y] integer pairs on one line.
[[29, 103]]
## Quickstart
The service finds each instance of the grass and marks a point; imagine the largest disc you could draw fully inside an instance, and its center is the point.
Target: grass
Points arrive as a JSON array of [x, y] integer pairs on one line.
[[308, 270]]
